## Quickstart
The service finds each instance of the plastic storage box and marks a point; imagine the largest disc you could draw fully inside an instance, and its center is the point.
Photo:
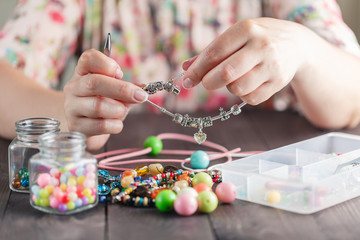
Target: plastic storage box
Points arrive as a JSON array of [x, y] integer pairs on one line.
[[303, 177]]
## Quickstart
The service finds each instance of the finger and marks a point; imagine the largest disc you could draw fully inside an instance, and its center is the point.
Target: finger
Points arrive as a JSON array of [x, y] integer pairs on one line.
[[259, 95], [232, 68], [222, 47], [188, 63], [248, 82], [94, 61], [100, 85], [92, 127], [98, 107]]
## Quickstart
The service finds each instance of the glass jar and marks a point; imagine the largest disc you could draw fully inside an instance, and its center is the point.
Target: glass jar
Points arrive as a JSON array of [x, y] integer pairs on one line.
[[24, 146], [63, 176]]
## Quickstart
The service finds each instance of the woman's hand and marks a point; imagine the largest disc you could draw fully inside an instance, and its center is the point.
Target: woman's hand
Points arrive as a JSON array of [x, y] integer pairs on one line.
[[97, 100], [254, 59]]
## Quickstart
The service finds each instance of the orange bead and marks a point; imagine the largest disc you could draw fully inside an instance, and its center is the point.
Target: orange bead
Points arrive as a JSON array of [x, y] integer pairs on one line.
[[183, 176], [200, 187]]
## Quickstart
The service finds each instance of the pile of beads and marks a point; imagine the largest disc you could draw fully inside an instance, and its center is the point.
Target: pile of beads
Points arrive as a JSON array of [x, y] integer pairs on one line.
[[21, 180], [65, 190], [167, 188]]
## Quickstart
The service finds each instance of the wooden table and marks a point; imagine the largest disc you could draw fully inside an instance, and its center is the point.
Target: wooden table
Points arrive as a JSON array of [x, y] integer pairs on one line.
[[251, 130]]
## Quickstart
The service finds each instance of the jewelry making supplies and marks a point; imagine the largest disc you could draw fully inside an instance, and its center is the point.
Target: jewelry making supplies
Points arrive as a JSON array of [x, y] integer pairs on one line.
[[183, 120], [63, 177], [24, 146]]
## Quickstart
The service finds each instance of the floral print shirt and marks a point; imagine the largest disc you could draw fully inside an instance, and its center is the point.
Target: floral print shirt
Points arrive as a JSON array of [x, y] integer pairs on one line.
[[151, 38]]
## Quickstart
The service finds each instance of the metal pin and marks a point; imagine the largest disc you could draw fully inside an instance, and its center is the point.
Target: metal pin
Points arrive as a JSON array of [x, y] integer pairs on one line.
[[107, 45]]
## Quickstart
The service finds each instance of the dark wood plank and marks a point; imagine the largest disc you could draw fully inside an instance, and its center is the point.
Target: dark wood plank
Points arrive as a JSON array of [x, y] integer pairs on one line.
[[4, 176]]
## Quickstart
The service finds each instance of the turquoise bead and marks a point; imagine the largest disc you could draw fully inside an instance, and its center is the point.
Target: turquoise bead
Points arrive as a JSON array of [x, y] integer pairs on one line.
[[155, 144], [199, 160]]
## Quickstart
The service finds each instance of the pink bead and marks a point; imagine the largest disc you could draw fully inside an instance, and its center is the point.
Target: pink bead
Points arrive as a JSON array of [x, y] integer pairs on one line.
[[90, 168], [93, 191], [91, 175], [186, 204], [54, 203], [57, 193], [71, 188], [226, 192], [54, 181], [33, 198], [54, 172], [43, 179], [89, 183]]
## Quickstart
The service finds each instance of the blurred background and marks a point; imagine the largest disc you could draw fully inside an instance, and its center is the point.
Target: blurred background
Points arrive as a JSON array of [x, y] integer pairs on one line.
[[350, 10]]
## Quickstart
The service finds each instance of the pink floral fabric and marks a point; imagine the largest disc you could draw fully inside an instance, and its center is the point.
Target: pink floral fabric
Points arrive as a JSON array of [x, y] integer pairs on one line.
[[151, 38]]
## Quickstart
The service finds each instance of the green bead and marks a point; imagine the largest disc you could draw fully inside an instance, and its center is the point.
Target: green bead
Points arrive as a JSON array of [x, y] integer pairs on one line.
[[155, 144], [44, 202], [23, 171], [165, 200], [44, 193], [207, 201], [202, 177]]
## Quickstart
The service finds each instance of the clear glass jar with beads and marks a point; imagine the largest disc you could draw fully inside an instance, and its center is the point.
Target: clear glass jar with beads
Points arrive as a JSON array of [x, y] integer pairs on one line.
[[63, 176], [24, 146]]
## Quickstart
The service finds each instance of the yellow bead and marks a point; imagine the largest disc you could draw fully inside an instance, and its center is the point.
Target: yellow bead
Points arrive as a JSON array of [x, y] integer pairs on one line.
[[63, 187], [273, 196], [126, 181], [81, 179], [91, 199], [49, 188], [87, 192], [71, 181], [156, 168], [142, 170]]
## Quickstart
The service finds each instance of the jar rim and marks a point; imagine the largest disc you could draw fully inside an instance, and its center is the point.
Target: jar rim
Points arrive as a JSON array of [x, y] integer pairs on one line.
[[37, 125], [63, 140]]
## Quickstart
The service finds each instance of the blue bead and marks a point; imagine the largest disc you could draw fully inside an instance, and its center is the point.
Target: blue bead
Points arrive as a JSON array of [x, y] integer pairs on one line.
[[102, 199], [199, 160], [24, 182]]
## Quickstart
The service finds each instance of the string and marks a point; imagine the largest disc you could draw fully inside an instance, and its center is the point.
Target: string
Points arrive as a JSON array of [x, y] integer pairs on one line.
[[117, 157]]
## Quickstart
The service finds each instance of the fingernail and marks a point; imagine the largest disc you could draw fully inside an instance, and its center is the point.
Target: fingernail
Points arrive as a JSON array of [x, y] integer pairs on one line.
[[187, 83], [140, 95], [119, 74]]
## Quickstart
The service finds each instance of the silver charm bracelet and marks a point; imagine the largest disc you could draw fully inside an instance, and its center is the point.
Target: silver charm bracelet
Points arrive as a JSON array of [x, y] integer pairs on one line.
[[186, 120]]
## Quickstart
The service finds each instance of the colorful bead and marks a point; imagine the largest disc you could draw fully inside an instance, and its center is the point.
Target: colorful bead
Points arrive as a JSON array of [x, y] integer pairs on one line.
[[207, 201], [142, 170], [273, 196], [226, 192], [202, 177], [186, 204], [200, 187], [155, 144], [199, 160], [165, 200], [155, 169], [188, 190]]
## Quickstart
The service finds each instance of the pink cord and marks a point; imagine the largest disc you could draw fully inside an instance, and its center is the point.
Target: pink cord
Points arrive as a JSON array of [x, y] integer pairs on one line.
[[121, 154]]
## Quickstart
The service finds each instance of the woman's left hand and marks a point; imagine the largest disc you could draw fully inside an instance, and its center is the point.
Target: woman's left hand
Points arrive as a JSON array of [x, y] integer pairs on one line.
[[254, 59]]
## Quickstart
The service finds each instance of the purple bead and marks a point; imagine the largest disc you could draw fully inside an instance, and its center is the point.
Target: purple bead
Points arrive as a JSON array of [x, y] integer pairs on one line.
[[62, 207], [85, 201]]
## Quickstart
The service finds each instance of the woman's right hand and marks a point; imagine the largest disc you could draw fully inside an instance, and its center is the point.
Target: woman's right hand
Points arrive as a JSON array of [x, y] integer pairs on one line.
[[97, 100]]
